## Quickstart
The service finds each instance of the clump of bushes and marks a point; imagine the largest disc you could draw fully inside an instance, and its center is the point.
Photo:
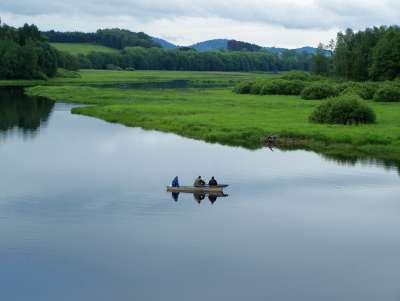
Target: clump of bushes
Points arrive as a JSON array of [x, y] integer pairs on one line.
[[319, 91], [282, 87], [296, 75], [256, 87], [388, 93], [365, 90], [270, 87], [346, 109], [343, 86], [243, 87]]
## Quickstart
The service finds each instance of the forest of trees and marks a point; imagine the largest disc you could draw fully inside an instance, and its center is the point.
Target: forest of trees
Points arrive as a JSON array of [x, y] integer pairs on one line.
[[114, 38], [139, 51], [372, 54], [176, 59], [25, 54]]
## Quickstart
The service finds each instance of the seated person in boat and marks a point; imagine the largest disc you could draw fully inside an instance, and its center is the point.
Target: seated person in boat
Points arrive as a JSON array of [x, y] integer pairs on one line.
[[175, 182], [213, 182], [199, 182]]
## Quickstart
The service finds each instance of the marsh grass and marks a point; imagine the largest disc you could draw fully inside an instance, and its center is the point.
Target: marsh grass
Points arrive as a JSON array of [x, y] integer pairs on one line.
[[219, 115]]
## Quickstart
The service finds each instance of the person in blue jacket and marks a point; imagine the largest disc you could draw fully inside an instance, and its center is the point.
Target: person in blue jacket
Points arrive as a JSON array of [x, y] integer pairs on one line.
[[175, 182]]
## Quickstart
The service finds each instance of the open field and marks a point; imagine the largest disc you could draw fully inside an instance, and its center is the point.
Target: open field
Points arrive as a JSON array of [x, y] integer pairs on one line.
[[140, 76], [82, 48], [218, 115]]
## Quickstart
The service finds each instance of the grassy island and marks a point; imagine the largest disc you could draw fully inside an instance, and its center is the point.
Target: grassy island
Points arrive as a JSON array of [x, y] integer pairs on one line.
[[220, 116]]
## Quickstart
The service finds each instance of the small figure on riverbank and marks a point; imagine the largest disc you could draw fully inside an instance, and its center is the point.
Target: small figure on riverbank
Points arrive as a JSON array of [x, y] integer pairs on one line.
[[199, 182], [175, 182], [213, 182]]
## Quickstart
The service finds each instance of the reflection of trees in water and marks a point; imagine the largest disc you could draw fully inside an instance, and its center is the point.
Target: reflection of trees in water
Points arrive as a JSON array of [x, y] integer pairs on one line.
[[351, 159], [18, 111]]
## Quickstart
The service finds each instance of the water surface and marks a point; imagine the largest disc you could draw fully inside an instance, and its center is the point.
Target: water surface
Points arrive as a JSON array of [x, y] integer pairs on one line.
[[84, 215]]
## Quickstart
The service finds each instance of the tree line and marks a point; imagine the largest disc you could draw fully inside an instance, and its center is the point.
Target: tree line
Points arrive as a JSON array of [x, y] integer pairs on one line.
[[372, 54], [114, 38], [188, 59], [25, 54]]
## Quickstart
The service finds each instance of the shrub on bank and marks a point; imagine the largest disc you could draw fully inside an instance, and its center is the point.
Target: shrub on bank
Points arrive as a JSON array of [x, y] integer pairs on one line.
[[388, 93], [296, 75], [282, 87], [347, 109], [243, 87], [365, 90], [256, 87], [318, 91]]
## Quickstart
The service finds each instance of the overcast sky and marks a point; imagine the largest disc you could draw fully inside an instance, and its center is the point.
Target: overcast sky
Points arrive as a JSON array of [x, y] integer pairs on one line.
[[283, 23]]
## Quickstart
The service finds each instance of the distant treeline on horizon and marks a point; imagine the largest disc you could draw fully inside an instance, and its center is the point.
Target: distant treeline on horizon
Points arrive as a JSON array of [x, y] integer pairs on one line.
[[25, 53], [140, 51]]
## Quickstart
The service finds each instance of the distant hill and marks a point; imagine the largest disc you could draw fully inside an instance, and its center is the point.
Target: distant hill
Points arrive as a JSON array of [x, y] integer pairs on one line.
[[211, 45], [164, 43]]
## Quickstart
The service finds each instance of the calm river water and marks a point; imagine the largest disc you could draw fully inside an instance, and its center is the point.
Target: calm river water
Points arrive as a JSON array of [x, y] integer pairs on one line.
[[84, 215]]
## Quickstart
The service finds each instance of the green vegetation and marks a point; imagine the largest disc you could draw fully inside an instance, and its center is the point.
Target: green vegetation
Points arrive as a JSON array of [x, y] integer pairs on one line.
[[366, 90], [312, 87], [24, 54], [388, 93], [372, 54], [218, 115], [140, 52], [114, 38], [318, 90], [347, 109], [98, 77], [82, 48]]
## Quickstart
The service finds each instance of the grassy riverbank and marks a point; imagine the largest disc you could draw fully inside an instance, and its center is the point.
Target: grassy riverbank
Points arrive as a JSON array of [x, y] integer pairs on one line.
[[218, 115], [113, 77]]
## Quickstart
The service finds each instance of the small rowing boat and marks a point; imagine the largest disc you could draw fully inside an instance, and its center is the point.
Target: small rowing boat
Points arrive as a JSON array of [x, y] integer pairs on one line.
[[195, 189]]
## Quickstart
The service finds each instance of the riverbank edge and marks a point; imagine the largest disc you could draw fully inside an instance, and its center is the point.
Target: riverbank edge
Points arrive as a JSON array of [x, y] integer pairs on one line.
[[387, 154]]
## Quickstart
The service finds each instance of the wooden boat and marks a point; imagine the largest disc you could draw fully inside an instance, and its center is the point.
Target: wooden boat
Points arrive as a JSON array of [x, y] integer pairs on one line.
[[194, 189]]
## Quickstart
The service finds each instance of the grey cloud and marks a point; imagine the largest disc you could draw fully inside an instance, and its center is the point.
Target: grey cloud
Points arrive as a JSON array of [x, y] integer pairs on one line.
[[304, 14]]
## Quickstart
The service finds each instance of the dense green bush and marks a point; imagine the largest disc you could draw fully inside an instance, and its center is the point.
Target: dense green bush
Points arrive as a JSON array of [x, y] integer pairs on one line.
[[296, 75], [243, 87], [256, 87], [343, 86], [283, 87], [346, 109], [365, 90], [388, 93], [319, 91]]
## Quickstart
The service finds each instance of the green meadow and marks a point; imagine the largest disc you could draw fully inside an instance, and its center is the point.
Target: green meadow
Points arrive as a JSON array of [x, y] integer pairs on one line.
[[82, 48], [140, 76], [221, 116]]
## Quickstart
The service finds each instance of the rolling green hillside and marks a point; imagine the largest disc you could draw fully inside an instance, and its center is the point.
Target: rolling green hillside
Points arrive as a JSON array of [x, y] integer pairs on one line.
[[83, 48]]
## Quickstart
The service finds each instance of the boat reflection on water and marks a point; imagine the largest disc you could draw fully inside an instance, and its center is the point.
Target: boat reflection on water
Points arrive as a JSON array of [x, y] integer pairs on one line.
[[200, 196]]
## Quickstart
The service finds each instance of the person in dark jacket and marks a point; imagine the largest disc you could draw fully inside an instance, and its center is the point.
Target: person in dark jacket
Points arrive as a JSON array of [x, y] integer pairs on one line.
[[175, 182], [199, 182], [213, 182]]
